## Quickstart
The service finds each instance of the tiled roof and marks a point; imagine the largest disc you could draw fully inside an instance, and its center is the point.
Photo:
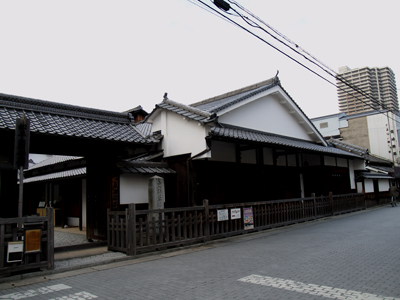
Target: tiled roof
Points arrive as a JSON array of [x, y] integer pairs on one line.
[[144, 168], [348, 147], [374, 175], [148, 157], [185, 110], [53, 160], [57, 175], [360, 151], [206, 111], [245, 135], [144, 128], [68, 120], [214, 106], [139, 167]]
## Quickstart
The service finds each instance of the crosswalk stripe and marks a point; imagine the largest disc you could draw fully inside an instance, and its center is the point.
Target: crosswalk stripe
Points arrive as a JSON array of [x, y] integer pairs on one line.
[[312, 289]]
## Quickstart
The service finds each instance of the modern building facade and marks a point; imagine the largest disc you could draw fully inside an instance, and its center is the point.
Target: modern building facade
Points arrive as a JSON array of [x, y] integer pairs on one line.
[[376, 131], [378, 87]]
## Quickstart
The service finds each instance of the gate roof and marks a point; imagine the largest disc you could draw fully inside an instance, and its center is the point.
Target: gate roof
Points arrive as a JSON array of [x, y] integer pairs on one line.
[[69, 120]]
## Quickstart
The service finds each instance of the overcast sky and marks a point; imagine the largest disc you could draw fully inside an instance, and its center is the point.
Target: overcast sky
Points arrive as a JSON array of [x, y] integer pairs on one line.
[[116, 55]]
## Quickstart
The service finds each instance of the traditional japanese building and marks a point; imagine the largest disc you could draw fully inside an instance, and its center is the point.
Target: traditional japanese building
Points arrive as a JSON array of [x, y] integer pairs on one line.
[[250, 144]]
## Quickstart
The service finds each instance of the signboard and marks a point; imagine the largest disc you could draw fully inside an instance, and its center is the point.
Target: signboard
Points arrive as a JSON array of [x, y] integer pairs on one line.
[[235, 213], [223, 215], [33, 238], [15, 251], [248, 218]]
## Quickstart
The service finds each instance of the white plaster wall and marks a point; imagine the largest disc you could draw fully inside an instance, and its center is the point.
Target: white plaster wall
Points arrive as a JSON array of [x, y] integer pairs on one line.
[[383, 185], [333, 125], [352, 175], [268, 115], [369, 185], [181, 135], [343, 123], [221, 151], [359, 187], [378, 137], [134, 188], [358, 164]]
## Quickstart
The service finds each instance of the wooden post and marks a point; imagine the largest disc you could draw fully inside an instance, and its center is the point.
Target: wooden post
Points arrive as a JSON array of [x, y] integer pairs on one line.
[[2, 256], [50, 238], [206, 221], [315, 205], [109, 230], [131, 229], [331, 201]]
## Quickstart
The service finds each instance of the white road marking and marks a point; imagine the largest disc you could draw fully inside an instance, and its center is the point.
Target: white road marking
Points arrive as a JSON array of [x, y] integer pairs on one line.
[[77, 296], [312, 289], [33, 293]]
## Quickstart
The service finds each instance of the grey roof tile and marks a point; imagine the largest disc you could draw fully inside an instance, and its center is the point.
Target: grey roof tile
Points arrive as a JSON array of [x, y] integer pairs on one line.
[[246, 135], [61, 119], [220, 104], [57, 175], [55, 159]]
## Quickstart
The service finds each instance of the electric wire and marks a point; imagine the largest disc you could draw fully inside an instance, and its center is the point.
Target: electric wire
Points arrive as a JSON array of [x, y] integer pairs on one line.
[[316, 62], [255, 25]]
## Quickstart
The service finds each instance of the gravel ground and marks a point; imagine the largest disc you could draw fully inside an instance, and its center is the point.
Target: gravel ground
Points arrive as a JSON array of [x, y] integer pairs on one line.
[[66, 239]]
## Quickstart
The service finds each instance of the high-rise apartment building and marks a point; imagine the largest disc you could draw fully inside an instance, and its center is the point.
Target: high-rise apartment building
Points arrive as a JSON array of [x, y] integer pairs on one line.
[[378, 84]]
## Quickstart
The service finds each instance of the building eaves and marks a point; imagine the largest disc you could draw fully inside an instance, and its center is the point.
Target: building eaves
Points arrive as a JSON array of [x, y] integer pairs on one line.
[[60, 109], [246, 135], [363, 114], [141, 167], [222, 102], [186, 111], [348, 147], [373, 159], [56, 159], [338, 115], [373, 175], [58, 175], [364, 152], [67, 120]]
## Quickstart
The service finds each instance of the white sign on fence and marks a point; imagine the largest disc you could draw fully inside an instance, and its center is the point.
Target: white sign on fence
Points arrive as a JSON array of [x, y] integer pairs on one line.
[[235, 213], [223, 215]]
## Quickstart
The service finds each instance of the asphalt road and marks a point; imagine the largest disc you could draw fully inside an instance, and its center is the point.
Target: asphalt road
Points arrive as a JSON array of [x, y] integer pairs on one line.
[[353, 256]]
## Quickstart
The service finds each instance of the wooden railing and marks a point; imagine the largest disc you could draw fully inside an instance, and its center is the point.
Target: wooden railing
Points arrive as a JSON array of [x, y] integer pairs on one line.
[[150, 230], [34, 235]]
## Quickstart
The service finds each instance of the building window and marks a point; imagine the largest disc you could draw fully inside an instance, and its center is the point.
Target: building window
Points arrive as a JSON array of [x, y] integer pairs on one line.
[[323, 125]]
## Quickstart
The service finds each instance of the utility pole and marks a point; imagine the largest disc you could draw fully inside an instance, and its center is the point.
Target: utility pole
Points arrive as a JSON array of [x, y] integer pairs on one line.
[[21, 154]]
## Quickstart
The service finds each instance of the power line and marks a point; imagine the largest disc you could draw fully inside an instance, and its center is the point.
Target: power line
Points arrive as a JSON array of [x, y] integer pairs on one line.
[[313, 60]]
